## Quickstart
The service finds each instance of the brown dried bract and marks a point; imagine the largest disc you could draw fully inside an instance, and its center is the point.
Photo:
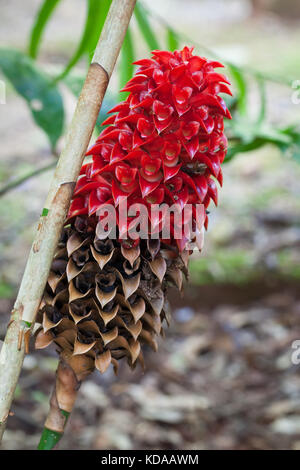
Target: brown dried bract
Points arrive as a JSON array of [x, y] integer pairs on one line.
[[103, 301]]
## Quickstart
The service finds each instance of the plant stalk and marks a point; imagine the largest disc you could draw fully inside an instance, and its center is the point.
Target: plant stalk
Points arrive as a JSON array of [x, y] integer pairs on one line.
[[70, 372], [22, 179], [58, 201]]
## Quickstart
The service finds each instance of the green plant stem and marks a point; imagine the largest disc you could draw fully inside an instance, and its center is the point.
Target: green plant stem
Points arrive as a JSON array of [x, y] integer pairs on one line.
[[71, 370], [49, 439], [18, 181]]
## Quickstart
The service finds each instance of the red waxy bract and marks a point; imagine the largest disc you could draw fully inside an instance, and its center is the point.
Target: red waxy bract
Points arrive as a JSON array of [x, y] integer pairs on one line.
[[165, 142]]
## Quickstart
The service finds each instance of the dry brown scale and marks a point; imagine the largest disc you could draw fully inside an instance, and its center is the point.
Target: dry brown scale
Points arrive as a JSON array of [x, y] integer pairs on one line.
[[104, 301]]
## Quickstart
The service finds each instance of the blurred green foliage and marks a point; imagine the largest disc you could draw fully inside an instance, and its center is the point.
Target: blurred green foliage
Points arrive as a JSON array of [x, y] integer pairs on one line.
[[245, 132], [41, 94], [44, 100], [239, 266], [6, 290], [234, 265]]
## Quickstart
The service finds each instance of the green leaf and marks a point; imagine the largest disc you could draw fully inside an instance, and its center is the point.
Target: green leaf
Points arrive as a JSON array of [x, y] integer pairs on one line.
[[40, 23], [293, 147], [100, 14], [172, 40], [242, 128], [74, 83], [6, 290], [241, 84], [144, 26], [287, 140], [262, 94], [126, 65], [296, 152], [233, 150], [274, 136], [96, 14], [42, 96]]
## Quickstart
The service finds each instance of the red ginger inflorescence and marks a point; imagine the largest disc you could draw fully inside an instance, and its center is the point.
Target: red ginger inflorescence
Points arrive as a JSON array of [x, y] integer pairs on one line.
[[165, 143]]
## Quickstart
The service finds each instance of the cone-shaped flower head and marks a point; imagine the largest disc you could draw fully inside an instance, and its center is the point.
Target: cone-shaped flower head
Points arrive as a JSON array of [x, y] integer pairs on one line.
[[164, 144]]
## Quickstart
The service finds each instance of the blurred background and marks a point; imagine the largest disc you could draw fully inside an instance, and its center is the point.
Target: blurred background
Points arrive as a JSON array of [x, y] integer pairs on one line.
[[223, 377]]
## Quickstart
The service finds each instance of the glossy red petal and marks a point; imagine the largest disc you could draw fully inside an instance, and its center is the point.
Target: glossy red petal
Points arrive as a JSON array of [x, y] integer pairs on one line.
[[162, 111], [85, 189], [224, 89], [125, 140], [177, 72], [78, 207], [209, 124], [211, 161], [189, 181], [145, 62], [210, 100], [201, 186], [191, 146], [190, 129], [220, 177], [162, 125], [164, 144], [94, 202], [156, 196], [212, 77], [146, 186], [124, 106], [212, 190], [175, 184], [109, 120], [196, 63], [181, 98], [125, 174], [117, 193], [182, 196], [145, 127], [163, 56], [144, 103], [170, 172], [150, 165]]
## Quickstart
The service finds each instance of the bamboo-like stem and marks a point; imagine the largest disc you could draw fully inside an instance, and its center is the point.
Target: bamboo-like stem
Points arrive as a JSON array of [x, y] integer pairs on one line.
[[58, 201], [70, 372]]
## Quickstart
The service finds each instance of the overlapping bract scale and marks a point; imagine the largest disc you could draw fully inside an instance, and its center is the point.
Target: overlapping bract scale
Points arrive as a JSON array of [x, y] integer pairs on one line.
[[165, 143], [103, 300]]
